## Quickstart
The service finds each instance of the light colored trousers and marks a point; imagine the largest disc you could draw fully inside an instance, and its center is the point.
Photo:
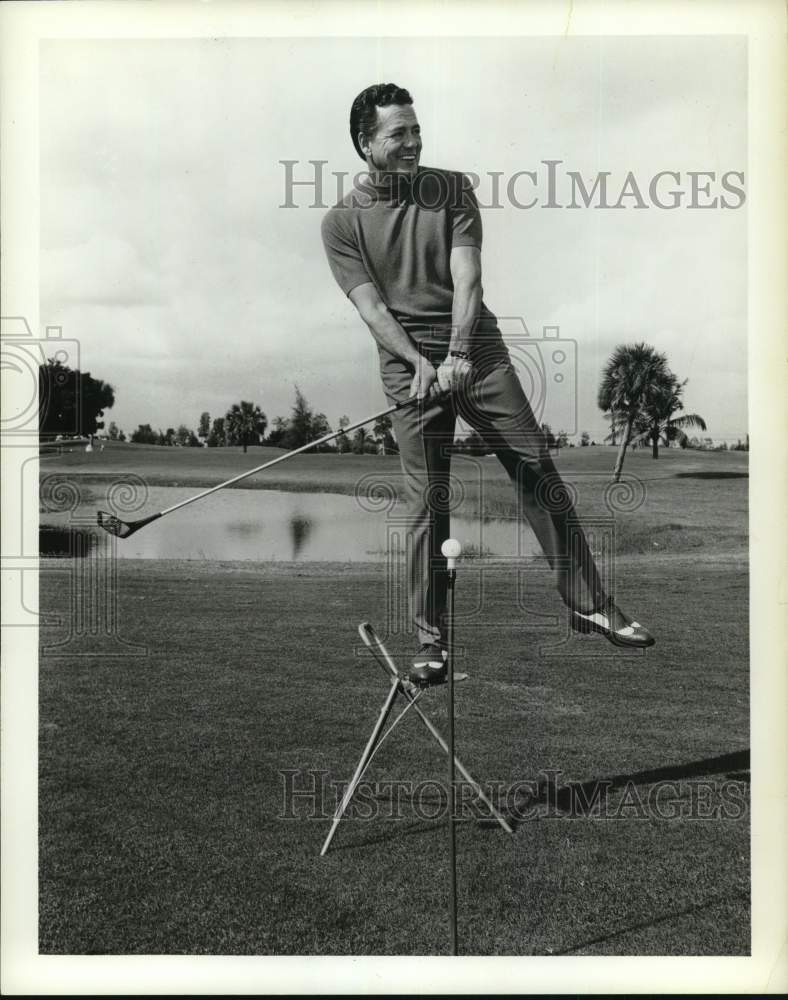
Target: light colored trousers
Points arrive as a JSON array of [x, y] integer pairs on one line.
[[495, 405]]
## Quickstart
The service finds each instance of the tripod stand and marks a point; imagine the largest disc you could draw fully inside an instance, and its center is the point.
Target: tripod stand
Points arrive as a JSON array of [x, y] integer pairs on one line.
[[399, 686]]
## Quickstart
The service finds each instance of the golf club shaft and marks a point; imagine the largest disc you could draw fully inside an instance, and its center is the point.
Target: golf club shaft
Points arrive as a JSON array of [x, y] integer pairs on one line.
[[451, 785], [290, 454]]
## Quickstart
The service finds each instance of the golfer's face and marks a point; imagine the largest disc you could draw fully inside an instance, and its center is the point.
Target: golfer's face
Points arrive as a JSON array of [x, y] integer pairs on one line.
[[396, 145]]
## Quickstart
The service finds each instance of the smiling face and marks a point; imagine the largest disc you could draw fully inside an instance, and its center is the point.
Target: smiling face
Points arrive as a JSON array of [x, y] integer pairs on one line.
[[396, 145]]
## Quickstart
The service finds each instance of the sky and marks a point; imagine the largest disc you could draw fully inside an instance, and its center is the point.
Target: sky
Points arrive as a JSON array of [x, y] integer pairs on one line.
[[166, 252]]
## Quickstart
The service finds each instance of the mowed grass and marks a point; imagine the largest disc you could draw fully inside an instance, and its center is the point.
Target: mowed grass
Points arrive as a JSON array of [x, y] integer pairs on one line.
[[683, 500], [161, 790]]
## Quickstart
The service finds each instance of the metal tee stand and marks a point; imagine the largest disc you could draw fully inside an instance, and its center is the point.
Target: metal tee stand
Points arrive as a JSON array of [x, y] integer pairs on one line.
[[400, 685]]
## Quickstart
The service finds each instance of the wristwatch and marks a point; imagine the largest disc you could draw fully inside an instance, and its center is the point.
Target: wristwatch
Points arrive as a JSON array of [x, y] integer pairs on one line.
[[460, 354]]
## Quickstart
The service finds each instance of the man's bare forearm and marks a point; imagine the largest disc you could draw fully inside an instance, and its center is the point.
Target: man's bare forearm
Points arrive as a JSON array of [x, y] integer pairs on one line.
[[391, 336], [464, 313]]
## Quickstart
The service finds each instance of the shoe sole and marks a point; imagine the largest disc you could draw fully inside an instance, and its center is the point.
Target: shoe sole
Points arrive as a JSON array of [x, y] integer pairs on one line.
[[438, 676]]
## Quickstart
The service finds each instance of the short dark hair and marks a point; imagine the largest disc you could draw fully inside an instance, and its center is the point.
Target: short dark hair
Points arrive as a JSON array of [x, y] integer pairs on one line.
[[364, 111]]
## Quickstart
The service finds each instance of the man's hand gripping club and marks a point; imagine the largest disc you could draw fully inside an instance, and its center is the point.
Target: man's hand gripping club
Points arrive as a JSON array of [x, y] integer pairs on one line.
[[431, 383]]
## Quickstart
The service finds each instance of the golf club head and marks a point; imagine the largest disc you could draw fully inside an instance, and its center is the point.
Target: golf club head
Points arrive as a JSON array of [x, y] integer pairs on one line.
[[121, 529], [112, 524]]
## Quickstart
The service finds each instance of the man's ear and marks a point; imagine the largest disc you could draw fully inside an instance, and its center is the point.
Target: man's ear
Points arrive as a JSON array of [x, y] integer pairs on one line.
[[363, 143]]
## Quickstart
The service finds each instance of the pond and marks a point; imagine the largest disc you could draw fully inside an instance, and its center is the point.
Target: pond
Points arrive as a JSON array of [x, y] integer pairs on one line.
[[270, 525]]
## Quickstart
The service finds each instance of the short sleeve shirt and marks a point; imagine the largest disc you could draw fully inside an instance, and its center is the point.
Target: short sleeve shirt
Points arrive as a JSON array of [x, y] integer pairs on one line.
[[399, 234]]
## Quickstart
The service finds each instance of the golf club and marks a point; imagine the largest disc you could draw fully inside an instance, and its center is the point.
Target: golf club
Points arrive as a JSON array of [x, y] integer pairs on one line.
[[124, 529]]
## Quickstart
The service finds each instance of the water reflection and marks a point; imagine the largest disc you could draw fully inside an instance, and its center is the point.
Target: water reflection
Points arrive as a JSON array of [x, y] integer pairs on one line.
[[65, 542], [275, 526], [245, 528], [300, 530]]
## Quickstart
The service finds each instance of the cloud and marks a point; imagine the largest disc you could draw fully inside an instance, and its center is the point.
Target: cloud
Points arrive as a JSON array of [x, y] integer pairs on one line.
[[165, 249], [103, 271]]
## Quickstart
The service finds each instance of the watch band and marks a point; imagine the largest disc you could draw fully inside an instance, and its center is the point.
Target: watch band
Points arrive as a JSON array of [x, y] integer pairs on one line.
[[459, 354]]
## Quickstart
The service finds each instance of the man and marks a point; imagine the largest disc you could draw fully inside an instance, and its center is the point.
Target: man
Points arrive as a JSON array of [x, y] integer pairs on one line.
[[405, 246]]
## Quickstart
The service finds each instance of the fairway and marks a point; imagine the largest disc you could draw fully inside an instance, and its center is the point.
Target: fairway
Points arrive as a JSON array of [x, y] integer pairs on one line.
[[165, 821]]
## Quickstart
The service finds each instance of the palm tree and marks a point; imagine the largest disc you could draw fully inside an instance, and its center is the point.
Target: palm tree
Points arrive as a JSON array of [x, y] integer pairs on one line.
[[614, 422], [657, 421], [630, 380], [245, 422]]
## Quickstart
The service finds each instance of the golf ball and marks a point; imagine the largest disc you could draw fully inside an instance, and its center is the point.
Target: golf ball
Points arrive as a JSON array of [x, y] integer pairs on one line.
[[451, 548]]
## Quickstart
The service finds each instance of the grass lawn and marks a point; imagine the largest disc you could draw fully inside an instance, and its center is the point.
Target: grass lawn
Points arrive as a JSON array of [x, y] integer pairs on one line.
[[161, 794]]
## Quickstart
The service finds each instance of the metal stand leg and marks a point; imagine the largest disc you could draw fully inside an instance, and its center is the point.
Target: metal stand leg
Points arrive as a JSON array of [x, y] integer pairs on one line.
[[383, 658], [369, 749], [399, 685]]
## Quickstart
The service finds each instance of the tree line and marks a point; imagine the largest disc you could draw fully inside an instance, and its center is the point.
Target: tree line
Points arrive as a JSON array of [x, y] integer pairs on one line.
[[639, 394], [245, 425]]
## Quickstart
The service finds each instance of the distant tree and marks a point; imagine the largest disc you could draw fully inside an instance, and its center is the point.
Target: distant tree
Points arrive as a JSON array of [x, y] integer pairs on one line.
[[70, 401], [343, 443], [473, 444], [657, 422], [364, 443], [562, 440], [95, 397], [631, 378], [113, 433], [585, 437], [216, 439], [144, 434], [182, 436], [204, 428], [552, 442], [321, 427], [245, 423], [382, 429], [299, 427], [277, 433], [304, 425]]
